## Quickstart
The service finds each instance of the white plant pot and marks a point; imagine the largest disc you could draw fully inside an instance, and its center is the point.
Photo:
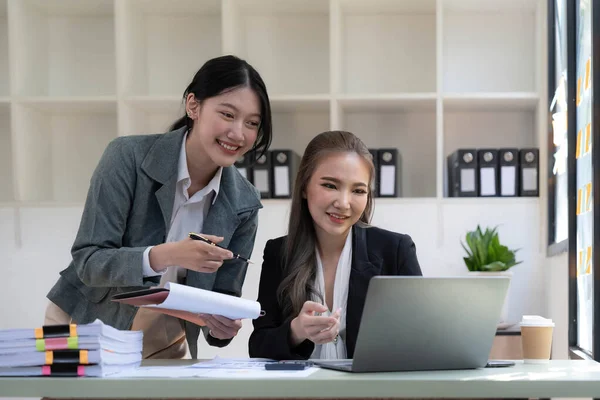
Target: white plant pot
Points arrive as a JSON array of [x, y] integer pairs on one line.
[[509, 273]]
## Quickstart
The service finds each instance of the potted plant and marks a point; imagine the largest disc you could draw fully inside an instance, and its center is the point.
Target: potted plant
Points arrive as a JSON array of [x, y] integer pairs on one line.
[[487, 256]]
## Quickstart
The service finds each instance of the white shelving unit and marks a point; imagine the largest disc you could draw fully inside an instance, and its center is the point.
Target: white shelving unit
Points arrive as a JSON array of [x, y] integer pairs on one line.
[[62, 48], [424, 76], [58, 145]]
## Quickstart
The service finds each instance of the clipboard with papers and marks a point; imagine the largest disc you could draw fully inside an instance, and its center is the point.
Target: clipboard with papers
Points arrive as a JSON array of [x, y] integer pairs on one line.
[[187, 302]]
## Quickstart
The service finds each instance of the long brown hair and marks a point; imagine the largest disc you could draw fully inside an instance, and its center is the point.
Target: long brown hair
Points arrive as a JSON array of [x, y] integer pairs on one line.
[[299, 258]]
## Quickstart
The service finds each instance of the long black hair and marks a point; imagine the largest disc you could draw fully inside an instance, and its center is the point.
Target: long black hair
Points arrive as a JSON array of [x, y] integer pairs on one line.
[[224, 73]]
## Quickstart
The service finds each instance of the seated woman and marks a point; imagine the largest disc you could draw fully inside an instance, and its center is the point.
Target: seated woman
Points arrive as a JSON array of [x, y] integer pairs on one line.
[[328, 257]]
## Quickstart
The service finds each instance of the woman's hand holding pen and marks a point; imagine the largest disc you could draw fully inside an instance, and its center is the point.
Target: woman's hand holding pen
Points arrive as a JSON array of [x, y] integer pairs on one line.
[[191, 254], [316, 328]]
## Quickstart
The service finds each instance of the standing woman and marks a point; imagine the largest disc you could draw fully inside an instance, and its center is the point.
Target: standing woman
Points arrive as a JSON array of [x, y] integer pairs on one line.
[[149, 191], [314, 281]]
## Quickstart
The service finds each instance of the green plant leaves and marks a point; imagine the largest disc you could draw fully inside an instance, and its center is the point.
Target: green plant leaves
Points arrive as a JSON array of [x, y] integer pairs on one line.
[[486, 253]]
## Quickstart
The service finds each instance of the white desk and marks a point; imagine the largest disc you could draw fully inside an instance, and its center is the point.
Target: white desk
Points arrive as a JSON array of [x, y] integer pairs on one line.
[[556, 379]]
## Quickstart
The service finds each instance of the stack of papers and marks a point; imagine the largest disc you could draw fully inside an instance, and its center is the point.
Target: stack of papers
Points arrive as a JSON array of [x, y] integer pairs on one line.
[[92, 349]]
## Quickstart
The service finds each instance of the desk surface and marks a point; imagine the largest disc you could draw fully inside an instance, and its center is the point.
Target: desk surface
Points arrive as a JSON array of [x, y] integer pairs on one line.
[[561, 378]]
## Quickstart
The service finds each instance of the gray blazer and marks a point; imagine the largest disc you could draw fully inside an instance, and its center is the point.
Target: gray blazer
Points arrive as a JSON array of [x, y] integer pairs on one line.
[[128, 208]]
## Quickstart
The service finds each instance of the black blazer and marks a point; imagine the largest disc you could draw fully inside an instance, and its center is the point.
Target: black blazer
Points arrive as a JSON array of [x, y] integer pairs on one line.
[[375, 251]]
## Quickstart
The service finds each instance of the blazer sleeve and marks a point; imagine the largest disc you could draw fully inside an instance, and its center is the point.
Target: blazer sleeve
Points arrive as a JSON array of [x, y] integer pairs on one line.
[[98, 256], [270, 338], [230, 277], [407, 256]]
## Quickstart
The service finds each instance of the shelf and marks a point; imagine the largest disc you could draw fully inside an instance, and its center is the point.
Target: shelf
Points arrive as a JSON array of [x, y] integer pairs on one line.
[[491, 201], [6, 168], [388, 47], [300, 102], [392, 101], [63, 47], [490, 101], [378, 200], [294, 129], [412, 132], [163, 44], [144, 115], [489, 46], [70, 104], [490, 5], [57, 148], [4, 72], [287, 42]]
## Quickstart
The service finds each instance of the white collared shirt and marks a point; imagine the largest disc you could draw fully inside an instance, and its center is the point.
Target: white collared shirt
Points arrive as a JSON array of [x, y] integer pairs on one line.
[[188, 214], [341, 285]]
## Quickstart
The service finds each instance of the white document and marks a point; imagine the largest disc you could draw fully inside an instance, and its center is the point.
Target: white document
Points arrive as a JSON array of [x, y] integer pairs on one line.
[[487, 181], [257, 373], [282, 181], [233, 363], [387, 180], [261, 180], [247, 368], [508, 175], [467, 180], [190, 299]]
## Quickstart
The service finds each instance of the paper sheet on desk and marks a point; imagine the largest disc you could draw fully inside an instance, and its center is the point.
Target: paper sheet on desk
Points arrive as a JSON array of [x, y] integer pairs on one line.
[[213, 373], [233, 363]]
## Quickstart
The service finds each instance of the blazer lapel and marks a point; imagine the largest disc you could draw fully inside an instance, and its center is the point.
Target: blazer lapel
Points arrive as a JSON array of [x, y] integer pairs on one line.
[[161, 164], [363, 269]]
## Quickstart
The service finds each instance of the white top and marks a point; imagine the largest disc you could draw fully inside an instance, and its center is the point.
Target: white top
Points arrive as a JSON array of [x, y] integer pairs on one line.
[[188, 214], [340, 299]]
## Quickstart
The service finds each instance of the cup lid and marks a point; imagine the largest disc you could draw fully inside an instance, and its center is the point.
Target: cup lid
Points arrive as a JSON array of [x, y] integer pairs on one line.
[[536, 320]]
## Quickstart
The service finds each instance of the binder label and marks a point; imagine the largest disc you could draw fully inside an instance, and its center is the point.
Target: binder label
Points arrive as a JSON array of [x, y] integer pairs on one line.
[[467, 180], [529, 179], [282, 181], [261, 180], [387, 180], [507, 180], [487, 180]]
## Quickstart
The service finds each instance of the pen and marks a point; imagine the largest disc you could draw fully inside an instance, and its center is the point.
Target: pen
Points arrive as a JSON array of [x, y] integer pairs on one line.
[[196, 236]]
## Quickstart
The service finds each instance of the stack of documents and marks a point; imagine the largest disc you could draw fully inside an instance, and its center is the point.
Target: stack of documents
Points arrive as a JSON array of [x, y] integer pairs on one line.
[[92, 349]]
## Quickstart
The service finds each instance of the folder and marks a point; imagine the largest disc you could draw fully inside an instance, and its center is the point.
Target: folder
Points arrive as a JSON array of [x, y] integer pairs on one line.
[[462, 173], [509, 172], [375, 187], [260, 175], [284, 164], [487, 160], [188, 300], [388, 173], [529, 172], [243, 165]]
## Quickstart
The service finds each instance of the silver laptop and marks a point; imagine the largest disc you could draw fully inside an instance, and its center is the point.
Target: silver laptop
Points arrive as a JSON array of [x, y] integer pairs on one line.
[[421, 323]]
